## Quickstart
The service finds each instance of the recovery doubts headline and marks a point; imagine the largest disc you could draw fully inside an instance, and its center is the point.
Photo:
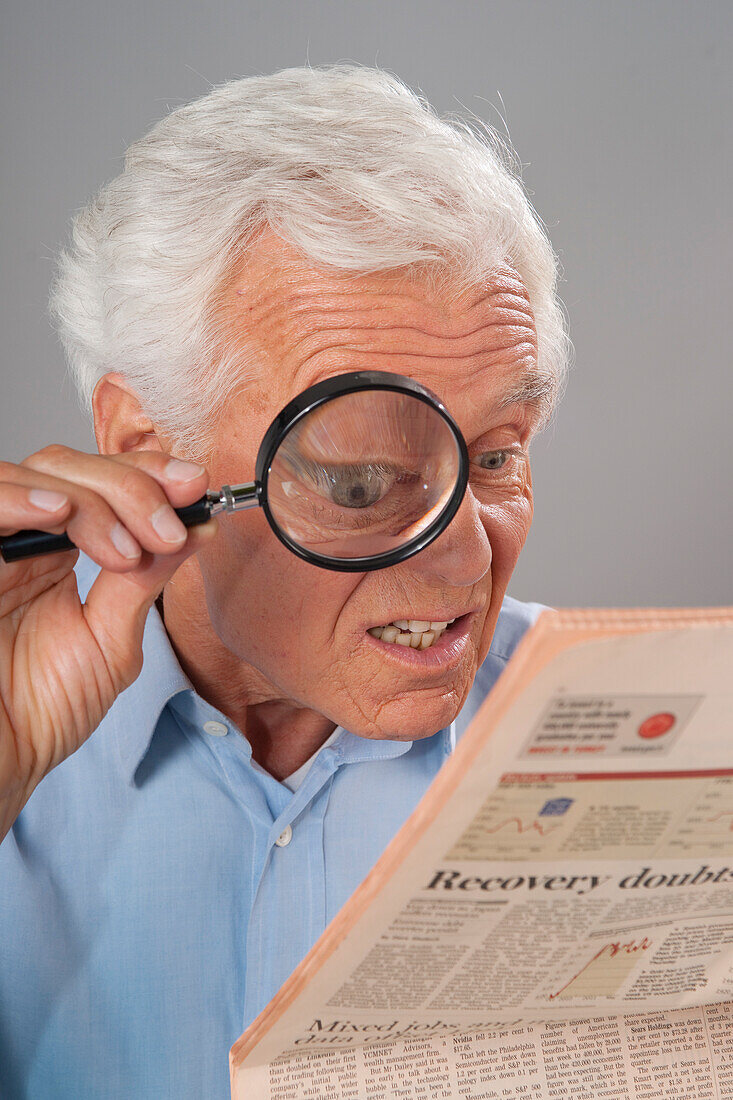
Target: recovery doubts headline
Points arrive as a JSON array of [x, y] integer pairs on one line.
[[646, 878]]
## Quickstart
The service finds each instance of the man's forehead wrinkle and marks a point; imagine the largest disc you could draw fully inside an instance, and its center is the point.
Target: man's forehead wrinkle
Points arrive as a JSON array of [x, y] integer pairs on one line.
[[384, 316], [307, 354], [308, 325], [281, 290], [461, 366], [409, 298], [301, 322], [271, 262], [326, 360], [409, 341], [502, 384]]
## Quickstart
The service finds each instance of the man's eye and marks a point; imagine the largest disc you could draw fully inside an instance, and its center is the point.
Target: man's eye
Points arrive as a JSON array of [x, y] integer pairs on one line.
[[494, 460]]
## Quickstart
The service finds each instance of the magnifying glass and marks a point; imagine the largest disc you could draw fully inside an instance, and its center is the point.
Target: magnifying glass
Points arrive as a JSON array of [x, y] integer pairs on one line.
[[358, 472]]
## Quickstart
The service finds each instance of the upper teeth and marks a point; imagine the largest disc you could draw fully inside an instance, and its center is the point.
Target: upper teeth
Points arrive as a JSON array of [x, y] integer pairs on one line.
[[417, 633], [418, 625]]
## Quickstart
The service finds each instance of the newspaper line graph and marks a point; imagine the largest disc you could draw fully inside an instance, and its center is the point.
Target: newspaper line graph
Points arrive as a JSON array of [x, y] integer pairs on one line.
[[602, 815]]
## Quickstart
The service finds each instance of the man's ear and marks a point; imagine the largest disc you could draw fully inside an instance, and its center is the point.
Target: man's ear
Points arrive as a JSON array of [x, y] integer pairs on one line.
[[120, 425]]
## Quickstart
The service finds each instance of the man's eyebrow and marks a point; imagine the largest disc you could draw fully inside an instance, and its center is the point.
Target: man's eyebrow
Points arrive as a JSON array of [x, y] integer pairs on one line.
[[533, 388]]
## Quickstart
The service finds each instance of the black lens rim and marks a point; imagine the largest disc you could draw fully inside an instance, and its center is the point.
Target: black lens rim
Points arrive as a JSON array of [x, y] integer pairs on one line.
[[337, 386]]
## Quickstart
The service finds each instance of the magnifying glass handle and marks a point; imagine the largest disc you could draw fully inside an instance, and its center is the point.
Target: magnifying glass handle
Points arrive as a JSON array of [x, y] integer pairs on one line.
[[31, 544], [231, 498]]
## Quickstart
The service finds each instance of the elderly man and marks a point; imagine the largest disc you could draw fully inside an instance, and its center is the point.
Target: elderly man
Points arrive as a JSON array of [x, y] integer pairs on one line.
[[255, 747]]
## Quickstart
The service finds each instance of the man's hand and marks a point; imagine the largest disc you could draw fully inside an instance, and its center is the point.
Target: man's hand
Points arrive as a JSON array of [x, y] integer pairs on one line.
[[63, 663]]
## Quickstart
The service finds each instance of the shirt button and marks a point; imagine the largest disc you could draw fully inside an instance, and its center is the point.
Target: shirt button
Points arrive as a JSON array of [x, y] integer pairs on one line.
[[285, 837], [216, 729]]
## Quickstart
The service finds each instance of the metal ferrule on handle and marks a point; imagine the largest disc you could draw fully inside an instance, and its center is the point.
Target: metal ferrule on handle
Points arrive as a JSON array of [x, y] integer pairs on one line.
[[235, 498]]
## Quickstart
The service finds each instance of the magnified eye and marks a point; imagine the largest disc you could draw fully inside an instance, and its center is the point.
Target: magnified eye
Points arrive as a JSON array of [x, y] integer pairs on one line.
[[361, 485], [355, 486]]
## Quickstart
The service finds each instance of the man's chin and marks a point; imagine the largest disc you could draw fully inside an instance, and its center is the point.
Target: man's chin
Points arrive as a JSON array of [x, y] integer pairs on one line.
[[410, 727]]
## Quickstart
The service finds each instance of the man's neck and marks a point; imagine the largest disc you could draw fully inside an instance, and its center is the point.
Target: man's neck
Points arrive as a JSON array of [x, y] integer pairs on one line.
[[283, 734]]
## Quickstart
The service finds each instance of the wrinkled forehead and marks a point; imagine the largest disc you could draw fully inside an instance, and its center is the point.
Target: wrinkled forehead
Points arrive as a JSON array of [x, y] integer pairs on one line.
[[301, 324]]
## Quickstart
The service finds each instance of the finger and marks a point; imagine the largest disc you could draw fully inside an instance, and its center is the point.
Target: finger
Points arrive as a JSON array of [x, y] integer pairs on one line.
[[90, 523], [42, 509], [39, 509], [183, 481], [142, 491]]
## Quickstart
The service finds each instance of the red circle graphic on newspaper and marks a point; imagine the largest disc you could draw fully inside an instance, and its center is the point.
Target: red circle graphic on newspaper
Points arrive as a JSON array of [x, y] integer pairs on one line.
[[657, 725]]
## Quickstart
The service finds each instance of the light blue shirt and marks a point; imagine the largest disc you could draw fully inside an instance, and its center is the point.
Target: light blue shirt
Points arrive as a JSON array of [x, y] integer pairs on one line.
[[147, 911]]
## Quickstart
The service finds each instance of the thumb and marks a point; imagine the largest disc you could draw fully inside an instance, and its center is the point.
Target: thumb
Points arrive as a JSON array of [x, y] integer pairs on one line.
[[117, 604]]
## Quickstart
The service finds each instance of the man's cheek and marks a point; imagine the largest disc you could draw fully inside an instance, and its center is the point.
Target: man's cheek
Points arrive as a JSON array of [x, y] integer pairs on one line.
[[507, 528]]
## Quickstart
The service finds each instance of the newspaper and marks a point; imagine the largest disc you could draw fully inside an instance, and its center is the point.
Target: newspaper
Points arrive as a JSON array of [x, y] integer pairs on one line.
[[556, 917]]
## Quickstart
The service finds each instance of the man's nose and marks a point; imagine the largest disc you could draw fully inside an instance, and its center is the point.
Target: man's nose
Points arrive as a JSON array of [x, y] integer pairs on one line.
[[461, 555]]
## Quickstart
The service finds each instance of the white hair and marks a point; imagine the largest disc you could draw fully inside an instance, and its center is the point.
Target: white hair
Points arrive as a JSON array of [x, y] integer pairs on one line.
[[343, 162]]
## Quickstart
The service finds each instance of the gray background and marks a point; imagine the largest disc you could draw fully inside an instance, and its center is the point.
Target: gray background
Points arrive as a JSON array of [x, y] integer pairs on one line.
[[620, 113]]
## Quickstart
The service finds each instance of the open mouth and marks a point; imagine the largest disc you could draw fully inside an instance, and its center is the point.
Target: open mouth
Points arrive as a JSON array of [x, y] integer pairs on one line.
[[415, 633], [438, 650]]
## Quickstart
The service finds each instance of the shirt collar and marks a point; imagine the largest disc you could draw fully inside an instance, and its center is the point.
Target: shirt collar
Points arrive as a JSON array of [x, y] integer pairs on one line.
[[358, 750], [137, 711]]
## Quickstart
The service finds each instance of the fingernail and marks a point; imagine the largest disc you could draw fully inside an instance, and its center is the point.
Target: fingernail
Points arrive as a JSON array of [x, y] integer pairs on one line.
[[47, 500], [177, 470], [123, 542], [167, 525]]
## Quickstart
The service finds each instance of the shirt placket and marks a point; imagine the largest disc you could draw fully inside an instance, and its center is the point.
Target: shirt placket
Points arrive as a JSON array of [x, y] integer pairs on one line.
[[289, 903]]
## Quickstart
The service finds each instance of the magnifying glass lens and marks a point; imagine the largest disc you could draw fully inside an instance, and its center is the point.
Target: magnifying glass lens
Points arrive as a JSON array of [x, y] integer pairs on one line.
[[359, 471], [363, 474]]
